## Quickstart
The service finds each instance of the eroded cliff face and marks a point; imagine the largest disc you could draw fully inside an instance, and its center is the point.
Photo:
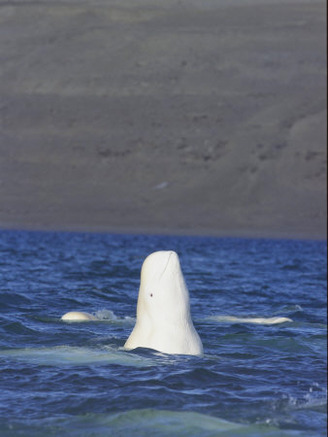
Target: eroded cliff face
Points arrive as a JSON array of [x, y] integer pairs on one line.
[[175, 117]]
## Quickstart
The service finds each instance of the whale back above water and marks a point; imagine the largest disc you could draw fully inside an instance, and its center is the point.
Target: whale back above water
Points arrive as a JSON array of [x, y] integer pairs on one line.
[[77, 316], [163, 310]]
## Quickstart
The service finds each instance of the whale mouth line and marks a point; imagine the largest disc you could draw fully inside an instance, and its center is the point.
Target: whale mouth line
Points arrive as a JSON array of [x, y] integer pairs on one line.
[[167, 263]]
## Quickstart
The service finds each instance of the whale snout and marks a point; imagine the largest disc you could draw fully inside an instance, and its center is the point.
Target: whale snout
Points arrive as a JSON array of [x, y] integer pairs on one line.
[[159, 262]]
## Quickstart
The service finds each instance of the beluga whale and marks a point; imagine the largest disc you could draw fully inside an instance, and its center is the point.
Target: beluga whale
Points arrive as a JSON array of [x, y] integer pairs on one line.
[[163, 309], [78, 316]]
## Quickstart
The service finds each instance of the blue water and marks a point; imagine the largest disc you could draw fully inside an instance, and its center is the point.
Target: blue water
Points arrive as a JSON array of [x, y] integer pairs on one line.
[[76, 380]]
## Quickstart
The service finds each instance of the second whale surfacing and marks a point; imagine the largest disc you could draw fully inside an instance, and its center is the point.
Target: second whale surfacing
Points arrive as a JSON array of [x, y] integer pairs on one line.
[[163, 310], [78, 316]]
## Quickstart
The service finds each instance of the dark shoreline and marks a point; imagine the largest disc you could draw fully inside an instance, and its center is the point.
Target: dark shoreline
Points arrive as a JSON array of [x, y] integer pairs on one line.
[[247, 235]]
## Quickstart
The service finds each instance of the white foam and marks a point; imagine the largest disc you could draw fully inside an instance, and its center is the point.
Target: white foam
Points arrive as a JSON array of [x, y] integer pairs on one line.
[[109, 316]]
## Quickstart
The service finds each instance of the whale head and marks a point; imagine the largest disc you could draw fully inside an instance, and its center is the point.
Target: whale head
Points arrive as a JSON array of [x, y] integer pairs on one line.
[[163, 295]]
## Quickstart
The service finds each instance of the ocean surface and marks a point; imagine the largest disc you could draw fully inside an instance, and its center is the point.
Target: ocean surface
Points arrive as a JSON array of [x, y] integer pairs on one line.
[[75, 379]]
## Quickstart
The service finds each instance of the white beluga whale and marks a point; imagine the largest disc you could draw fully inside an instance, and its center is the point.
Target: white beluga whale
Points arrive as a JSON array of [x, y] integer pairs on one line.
[[254, 320], [78, 316], [163, 310]]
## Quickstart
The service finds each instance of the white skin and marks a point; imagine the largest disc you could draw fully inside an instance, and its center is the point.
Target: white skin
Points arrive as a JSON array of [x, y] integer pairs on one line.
[[77, 316], [163, 310], [256, 320]]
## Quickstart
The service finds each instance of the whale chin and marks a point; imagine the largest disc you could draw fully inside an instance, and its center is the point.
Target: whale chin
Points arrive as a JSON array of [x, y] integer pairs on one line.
[[77, 316]]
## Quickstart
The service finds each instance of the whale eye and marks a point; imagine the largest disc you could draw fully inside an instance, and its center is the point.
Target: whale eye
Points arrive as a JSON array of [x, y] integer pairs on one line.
[[151, 294]]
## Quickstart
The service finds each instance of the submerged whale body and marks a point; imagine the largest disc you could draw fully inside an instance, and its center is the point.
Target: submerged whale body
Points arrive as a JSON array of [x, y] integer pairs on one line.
[[255, 320], [163, 309]]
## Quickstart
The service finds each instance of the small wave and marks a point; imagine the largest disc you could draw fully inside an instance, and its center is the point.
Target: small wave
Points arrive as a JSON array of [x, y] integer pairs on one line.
[[10, 299], [18, 328], [315, 399]]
